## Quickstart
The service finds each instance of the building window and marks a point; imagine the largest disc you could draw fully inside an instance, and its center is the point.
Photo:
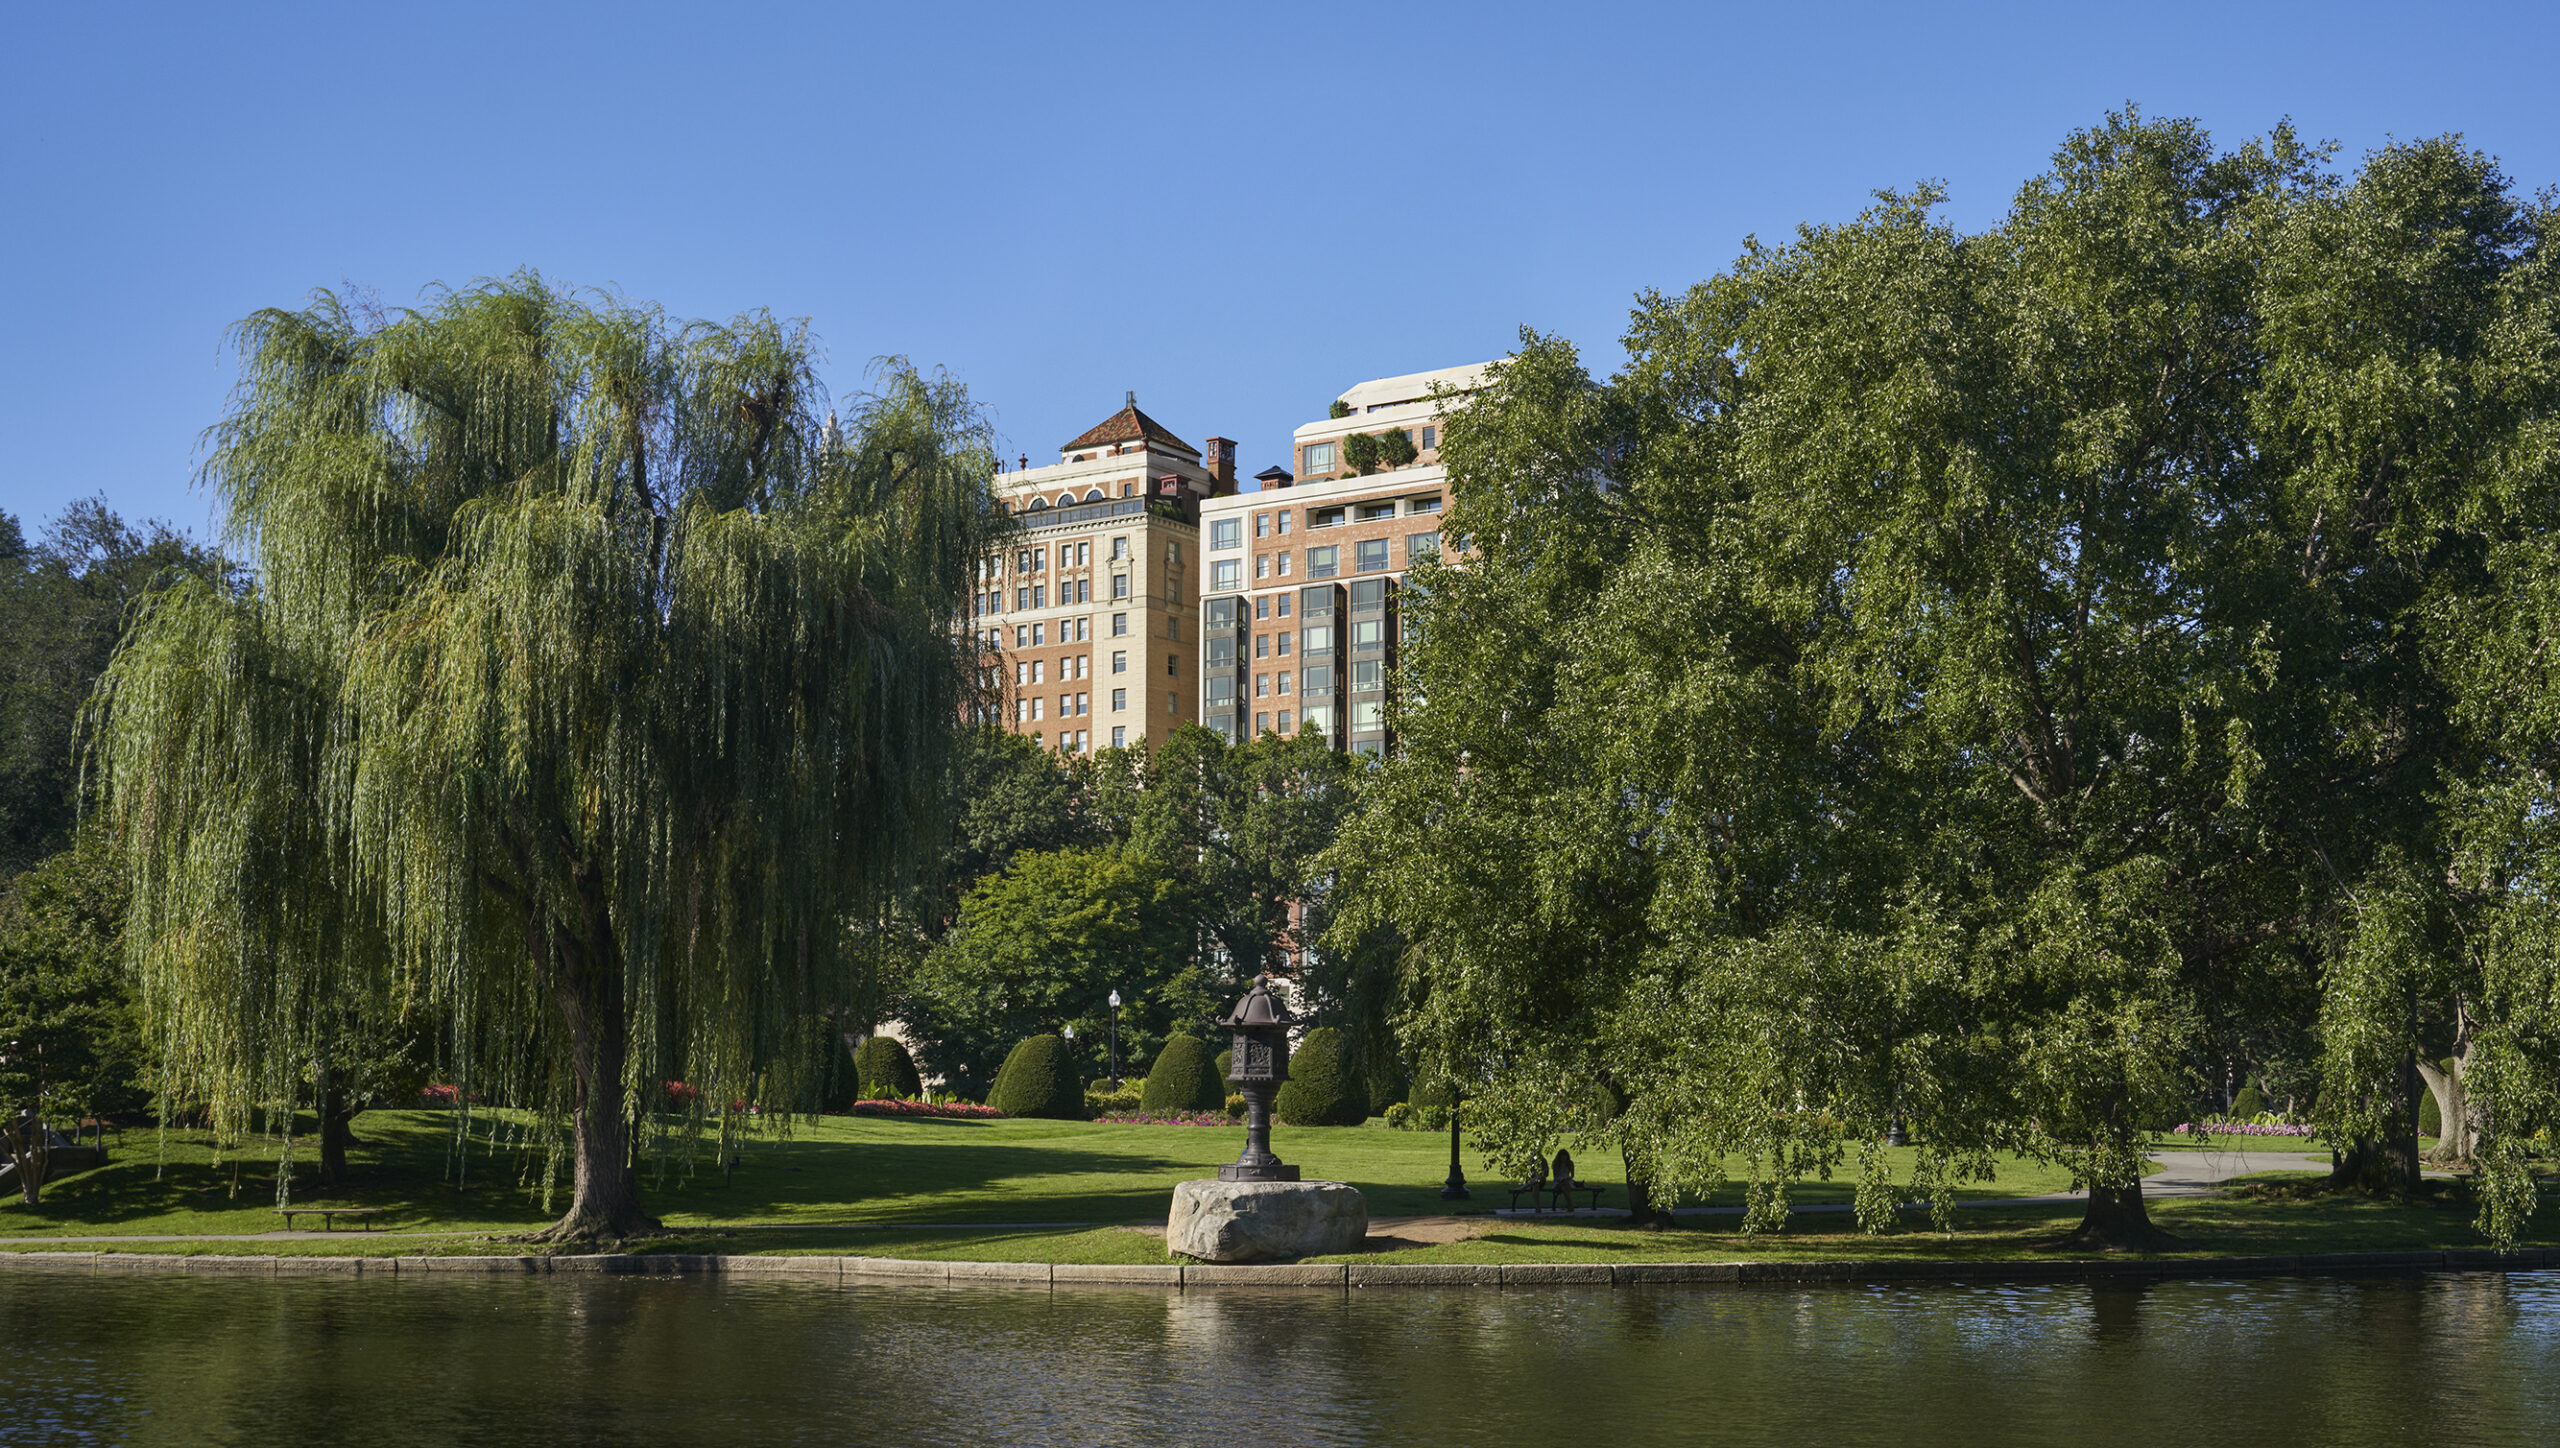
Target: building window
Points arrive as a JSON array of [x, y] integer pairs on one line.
[[1039, 635], [1261, 685], [1021, 672], [1372, 555], [1282, 520], [1319, 638], [1319, 458], [1284, 601], [1226, 532], [1084, 704], [1324, 562], [1262, 646], [1430, 438], [1423, 505], [1173, 664], [1119, 661], [1119, 736], [1021, 711], [1327, 518], [1261, 722], [1226, 574], [1119, 549], [1173, 703], [1119, 585], [1284, 721], [1262, 525], [1262, 565], [1283, 649], [1262, 606], [1280, 682], [1372, 512], [1119, 701], [1022, 636], [1419, 546], [1039, 671], [1119, 625], [1368, 633], [1368, 714], [1284, 565], [1040, 595], [1021, 599], [1038, 701]]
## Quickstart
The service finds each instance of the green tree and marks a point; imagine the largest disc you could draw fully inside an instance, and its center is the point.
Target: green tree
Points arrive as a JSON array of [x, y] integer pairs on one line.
[[1360, 452], [63, 603], [70, 1039], [1041, 944], [2004, 751], [588, 684], [1395, 447]]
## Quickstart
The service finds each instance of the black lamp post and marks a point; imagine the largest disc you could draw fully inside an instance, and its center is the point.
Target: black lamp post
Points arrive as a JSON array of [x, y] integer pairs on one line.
[[1259, 1064], [1115, 1040], [1455, 1188]]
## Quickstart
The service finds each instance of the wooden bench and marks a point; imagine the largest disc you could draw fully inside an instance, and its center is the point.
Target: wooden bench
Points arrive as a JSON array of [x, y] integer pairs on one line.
[[1557, 1186], [329, 1215]]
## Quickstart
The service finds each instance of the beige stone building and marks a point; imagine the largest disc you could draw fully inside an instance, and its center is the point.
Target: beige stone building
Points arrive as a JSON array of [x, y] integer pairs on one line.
[[1299, 605], [1091, 613]]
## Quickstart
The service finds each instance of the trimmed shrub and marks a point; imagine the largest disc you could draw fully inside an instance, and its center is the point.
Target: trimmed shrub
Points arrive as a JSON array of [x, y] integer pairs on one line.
[[1180, 1079], [2430, 1116], [1322, 1089], [1235, 1107], [1101, 1098], [2248, 1103], [883, 1071], [1395, 447], [1226, 1063], [1386, 1089], [1360, 451], [1037, 1080]]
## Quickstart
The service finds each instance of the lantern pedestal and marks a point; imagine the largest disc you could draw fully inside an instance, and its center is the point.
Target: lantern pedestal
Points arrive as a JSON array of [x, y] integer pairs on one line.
[[1250, 1221]]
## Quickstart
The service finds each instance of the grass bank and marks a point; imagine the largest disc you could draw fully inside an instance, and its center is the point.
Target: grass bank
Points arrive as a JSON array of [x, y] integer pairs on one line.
[[1058, 1192]]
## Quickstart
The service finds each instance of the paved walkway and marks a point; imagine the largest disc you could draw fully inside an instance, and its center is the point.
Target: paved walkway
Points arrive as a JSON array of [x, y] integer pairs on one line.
[[2181, 1174]]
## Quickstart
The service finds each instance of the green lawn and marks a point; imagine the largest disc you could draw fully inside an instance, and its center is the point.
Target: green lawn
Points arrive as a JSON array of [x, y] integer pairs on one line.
[[1055, 1191]]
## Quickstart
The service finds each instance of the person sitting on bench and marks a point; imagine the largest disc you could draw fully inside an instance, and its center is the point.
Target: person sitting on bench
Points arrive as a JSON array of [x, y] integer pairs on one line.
[[1562, 1184], [1536, 1184]]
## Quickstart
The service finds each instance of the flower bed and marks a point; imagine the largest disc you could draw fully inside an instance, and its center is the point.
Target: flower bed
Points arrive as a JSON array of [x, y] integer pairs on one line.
[[2244, 1128], [924, 1108], [1163, 1118]]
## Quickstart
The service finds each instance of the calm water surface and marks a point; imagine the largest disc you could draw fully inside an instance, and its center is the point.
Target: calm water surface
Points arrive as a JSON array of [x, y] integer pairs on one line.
[[150, 1358]]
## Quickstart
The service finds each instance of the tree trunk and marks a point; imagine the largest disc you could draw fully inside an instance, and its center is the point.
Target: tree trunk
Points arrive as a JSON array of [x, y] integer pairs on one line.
[[2459, 1133], [1641, 1211], [604, 1202], [2404, 1147], [30, 1153], [337, 1133], [2117, 1220]]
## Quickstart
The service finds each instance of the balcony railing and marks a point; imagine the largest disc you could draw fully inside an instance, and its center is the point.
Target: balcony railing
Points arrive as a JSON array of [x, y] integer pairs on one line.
[[1098, 512]]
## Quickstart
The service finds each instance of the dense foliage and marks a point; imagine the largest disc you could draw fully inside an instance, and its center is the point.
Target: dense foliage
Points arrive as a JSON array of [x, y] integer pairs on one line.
[[1324, 1088], [1184, 1078], [590, 681], [1039, 1079], [884, 1071], [2101, 649]]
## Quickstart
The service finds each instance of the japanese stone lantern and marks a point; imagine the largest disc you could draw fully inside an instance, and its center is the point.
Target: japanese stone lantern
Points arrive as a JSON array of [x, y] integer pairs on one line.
[[1260, 1062]]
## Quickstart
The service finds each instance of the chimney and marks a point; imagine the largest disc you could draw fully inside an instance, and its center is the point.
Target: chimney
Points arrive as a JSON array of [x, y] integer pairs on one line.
[[1273, 478], [1222, 466]]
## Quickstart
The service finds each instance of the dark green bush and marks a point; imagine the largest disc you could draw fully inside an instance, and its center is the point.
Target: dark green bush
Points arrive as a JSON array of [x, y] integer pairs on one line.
[[1322, 1089], [1180, 1080], [885, 1072], [1340, 408], [1039, 1079], [1226, 1062], [1360, 451], [2430, 1117], [1428, 1107], [1386, 1089], [2248, 1102], [1395, 447]]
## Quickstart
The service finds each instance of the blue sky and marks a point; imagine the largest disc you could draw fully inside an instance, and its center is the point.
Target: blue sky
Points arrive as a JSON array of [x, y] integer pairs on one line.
[[1238, 211]]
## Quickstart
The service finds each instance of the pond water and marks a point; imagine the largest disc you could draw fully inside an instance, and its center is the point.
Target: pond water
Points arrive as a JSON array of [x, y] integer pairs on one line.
[[152, 1358]]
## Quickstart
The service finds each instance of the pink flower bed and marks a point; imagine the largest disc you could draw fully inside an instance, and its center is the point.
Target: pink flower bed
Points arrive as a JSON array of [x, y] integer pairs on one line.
[[923, 1108], [1179, 1118], [2242, 1128]]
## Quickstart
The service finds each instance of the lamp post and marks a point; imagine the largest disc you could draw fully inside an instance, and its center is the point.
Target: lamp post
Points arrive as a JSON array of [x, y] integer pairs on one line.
[[1455, 1188], [1115, 1040], [1259, 1064]]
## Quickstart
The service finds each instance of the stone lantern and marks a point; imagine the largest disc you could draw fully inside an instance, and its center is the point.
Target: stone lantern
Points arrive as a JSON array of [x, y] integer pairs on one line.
[[1258, 1062]]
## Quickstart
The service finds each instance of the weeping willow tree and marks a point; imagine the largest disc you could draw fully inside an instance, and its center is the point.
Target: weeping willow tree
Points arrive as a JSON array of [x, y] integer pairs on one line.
[[590, 680]]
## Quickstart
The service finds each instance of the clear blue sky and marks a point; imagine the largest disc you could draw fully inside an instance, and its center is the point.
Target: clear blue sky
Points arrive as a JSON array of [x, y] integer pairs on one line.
[[1237, 211]]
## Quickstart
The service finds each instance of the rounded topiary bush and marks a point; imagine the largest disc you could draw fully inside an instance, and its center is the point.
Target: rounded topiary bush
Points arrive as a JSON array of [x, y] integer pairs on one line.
[[2430, 1116], [1386, 1089], [1322, 1089], [1226, 1063], [1182, 1078], [883, 1071], [2246, 1105], [1039, 1079]]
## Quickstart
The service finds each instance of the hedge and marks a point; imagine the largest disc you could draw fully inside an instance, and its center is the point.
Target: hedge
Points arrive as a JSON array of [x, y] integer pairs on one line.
[[1038, 1080], [1180, 1080], [884, 1071], [1322, 1089]]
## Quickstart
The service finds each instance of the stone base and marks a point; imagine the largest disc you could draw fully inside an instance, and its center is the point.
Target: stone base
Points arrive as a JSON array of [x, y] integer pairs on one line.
[[1265, 1221]]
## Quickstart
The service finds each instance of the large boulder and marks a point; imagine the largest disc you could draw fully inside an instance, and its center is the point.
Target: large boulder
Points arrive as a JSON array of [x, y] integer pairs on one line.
[[1265, 1221]]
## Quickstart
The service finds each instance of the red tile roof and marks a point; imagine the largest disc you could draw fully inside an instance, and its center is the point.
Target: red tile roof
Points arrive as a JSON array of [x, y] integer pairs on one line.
[[1130, 425]]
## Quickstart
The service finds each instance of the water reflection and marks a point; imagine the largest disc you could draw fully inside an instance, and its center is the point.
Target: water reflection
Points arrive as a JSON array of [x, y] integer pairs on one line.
[[156, 1359]]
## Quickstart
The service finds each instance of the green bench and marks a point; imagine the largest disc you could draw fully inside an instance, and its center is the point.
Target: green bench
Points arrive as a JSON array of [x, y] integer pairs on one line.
[[329, 1215]]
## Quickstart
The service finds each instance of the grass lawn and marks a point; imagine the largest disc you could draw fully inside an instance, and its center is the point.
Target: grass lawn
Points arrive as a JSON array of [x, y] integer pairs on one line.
[[1053, 1191]]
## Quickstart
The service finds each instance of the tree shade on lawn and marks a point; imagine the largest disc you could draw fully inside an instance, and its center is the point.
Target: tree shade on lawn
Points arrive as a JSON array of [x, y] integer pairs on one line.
[[588, 681]]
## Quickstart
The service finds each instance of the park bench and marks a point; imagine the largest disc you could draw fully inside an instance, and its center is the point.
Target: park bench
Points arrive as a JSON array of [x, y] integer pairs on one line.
[[329, 1215], [1558, 1186]]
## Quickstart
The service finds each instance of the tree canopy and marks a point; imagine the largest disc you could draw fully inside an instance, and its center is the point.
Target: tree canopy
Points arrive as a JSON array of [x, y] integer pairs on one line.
[[590, 681], [1967, 681]]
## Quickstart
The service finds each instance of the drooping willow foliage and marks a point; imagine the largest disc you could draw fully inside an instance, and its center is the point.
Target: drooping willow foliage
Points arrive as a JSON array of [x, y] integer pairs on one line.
[[590, 681]]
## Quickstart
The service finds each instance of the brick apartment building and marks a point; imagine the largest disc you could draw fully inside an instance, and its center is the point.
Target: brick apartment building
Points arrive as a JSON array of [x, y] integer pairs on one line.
[[1092, 611], [1299, 606]]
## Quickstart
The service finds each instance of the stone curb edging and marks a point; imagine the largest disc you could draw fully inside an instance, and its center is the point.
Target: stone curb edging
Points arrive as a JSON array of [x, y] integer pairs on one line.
[[1338, 1275]]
